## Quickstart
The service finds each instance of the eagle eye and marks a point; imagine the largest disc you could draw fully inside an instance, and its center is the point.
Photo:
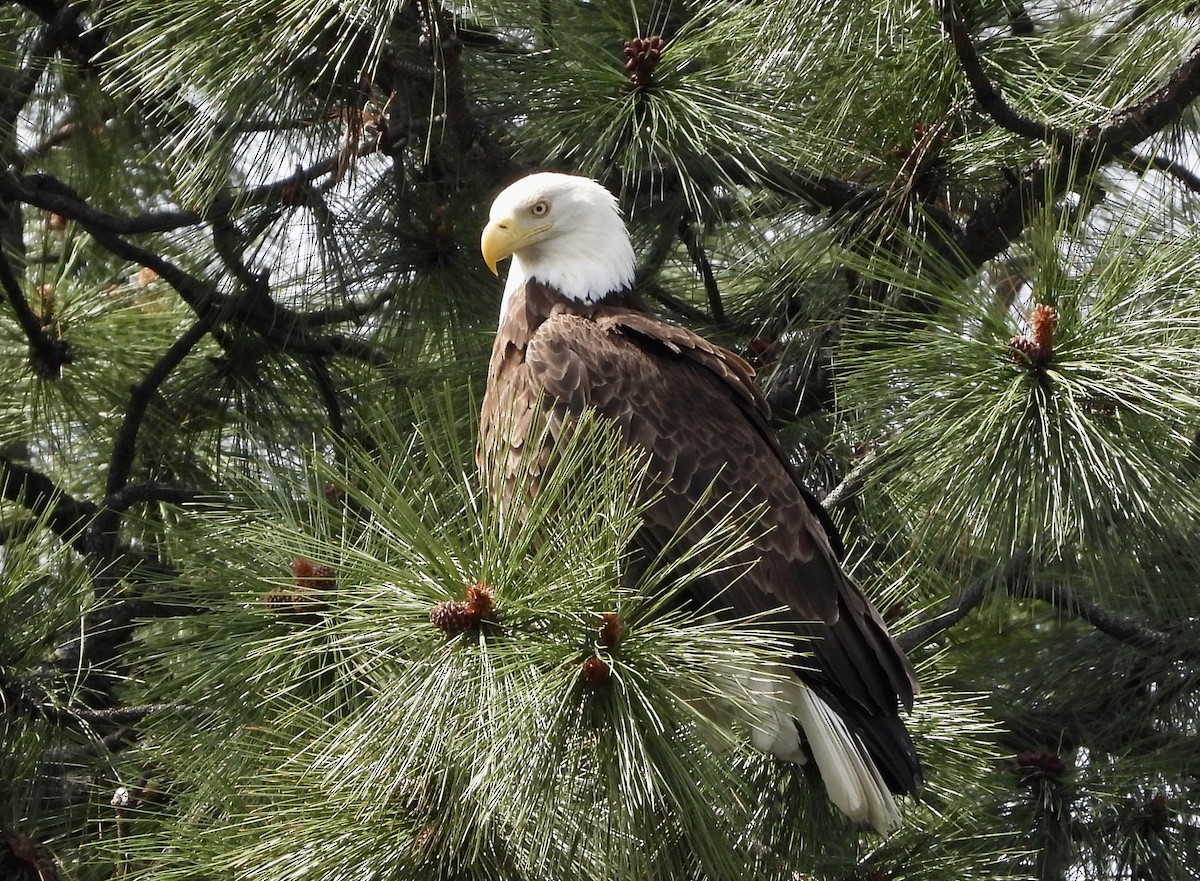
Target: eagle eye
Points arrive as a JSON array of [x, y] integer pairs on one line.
[[540, 208]]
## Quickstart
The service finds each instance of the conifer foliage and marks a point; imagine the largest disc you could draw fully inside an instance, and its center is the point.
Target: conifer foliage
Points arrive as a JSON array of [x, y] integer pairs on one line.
[[259, 619]]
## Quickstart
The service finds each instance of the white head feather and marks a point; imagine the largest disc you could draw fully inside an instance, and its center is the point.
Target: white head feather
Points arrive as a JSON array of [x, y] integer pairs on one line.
[[571, 236]]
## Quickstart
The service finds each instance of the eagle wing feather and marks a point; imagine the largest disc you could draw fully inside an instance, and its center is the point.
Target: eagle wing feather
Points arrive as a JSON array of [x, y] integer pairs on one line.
[[695, 408]]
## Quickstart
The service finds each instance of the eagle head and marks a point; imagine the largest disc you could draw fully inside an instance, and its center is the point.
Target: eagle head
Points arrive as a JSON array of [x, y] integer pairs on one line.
[[563, 230]]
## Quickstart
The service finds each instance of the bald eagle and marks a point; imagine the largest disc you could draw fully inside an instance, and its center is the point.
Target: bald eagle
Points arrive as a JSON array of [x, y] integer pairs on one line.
[[570, 337]]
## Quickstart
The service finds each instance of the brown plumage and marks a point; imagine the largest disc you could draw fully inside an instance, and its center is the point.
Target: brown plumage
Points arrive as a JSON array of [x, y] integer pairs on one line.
[[695, 408]]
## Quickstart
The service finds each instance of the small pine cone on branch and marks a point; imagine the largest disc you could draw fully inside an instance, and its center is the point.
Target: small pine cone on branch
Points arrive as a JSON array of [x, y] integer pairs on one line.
[[1037, 348], [308, 575], [1039, 769], [641, 57], [456, 616], [595, 671], [1022, 348], [610, 630]]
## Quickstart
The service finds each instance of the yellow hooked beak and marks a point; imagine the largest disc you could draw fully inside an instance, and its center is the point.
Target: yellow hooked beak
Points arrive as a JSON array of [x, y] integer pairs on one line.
[[504, 237]]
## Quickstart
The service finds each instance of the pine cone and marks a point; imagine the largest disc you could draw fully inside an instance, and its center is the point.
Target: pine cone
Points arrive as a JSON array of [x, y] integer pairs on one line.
[[610, 630], [1022, 348], [595, 671], [1039, 769], [450, 617], [456, 616], [312, 576], [641, 57], [1038, 347]]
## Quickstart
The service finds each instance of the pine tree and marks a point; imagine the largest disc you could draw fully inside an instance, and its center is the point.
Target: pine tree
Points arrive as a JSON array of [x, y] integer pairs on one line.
[[260, 619]]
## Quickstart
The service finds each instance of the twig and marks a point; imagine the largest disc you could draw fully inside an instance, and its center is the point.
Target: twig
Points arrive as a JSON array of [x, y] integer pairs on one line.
[[1179, 171], [853, 482], [47, 354], [687, 233], [353, 311]]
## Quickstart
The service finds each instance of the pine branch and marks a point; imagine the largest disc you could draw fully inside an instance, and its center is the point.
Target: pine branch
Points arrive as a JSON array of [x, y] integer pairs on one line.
[[228, 244], [105, 633], [282, 327], [853, 482], [985, 91], [102, 533], [1000, 219], [149, 491], [47, 192], [84, 45], [56, 138], [352, 311], [329, 394], [1185, 647], [472, 137], [949, 615], [37, 704]]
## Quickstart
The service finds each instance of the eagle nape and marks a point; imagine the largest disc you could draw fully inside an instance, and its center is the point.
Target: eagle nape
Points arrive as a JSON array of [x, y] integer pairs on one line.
[[570, 337]]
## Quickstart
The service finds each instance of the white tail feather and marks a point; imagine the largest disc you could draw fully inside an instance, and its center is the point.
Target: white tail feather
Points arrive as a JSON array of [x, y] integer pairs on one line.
[[853, 782]]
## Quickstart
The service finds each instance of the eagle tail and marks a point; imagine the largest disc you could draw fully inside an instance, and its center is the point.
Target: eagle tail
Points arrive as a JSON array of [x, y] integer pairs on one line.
[[851, 777]]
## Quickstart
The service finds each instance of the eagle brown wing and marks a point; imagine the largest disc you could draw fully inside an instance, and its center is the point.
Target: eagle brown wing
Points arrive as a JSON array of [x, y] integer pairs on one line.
[[697, 411]]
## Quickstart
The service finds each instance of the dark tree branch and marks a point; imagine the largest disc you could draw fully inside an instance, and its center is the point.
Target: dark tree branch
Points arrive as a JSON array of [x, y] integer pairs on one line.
[[33, 702], [149, 491], [1000, 219], [47, 192], [354, 311], [47, 354], [66, 516], [687, 234], [26, 81], [329, 394], [657, 292], [1179, 171], [946, 617], [282, 327], [1152, 114], [279, 326], [83, 45], [1119, 627], [228, 244], [104, 633], [103, 530], [985, 91]]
